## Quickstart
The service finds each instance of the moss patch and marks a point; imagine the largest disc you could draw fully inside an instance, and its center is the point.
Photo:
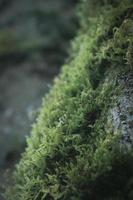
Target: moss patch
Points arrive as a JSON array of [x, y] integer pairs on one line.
[[71, 153]]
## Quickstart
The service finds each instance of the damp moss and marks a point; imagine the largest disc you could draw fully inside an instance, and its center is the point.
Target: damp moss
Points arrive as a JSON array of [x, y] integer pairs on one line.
[[73, 152]]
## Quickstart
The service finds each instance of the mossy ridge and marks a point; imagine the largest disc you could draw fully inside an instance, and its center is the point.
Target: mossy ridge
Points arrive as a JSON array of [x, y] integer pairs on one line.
[[71, 155]]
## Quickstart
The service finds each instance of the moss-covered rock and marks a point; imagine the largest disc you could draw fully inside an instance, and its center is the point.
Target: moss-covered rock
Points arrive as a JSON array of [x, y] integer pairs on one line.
[[81, 144]]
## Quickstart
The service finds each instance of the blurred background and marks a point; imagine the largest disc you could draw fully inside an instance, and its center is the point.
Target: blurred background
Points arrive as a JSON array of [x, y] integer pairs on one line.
[[34, 41]]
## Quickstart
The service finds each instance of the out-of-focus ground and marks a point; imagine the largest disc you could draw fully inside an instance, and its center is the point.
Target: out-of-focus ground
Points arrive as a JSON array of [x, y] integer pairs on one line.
[[34, 40]]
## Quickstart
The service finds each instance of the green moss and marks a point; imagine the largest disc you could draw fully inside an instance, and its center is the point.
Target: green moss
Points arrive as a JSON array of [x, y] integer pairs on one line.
[[72, 152]]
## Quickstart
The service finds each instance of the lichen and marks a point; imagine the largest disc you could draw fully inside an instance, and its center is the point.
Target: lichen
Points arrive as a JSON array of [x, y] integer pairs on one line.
[[75, 152]]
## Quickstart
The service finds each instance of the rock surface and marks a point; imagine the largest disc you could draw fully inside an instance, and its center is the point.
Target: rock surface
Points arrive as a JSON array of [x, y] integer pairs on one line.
[[122, 114]]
